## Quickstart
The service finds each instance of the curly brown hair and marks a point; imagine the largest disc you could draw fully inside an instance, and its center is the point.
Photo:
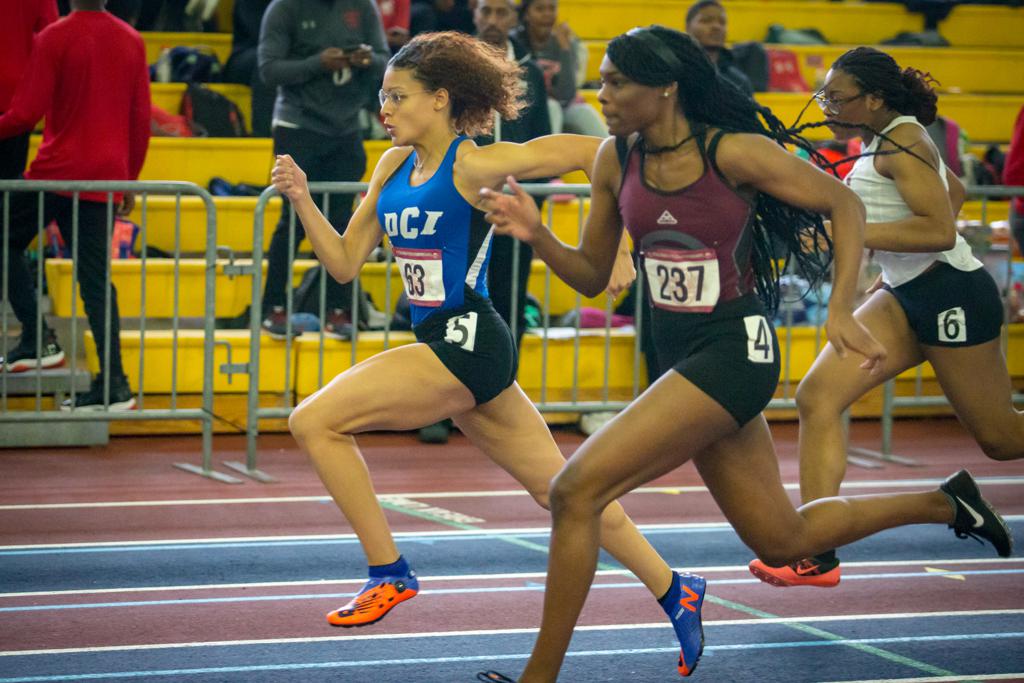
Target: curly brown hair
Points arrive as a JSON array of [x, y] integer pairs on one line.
[[479, 78]]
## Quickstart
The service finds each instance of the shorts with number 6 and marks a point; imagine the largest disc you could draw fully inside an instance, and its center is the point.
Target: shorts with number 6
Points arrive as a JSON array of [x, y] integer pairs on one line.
[[474, 343], [950, 307], [731, 353]]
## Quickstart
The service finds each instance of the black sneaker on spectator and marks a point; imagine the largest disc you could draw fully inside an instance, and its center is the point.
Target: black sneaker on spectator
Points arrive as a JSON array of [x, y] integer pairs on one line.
[[338, 324], [121, 397], [23, 356], [275, 324]]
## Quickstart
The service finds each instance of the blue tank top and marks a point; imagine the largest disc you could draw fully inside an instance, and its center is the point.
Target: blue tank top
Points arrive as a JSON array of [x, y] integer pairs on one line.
[[441, 243]]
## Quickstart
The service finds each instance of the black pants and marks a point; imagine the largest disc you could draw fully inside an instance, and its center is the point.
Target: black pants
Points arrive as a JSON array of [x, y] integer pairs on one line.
[[628, 307], [501, 280], [242, 68], [323, 159], [93, 256], [13, 156]]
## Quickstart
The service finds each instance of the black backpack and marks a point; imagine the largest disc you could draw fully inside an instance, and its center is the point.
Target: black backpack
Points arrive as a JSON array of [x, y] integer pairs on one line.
[[210, 114]]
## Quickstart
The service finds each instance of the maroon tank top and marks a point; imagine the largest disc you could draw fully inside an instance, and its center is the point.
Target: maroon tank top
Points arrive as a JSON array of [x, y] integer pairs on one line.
[[695, 243]]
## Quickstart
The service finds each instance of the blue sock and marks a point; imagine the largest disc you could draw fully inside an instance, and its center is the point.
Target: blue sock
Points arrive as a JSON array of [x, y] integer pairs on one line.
[[397, 568], [670, 599]]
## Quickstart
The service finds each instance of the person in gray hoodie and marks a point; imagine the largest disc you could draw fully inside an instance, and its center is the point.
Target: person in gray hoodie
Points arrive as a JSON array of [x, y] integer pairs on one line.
[[326, 58]]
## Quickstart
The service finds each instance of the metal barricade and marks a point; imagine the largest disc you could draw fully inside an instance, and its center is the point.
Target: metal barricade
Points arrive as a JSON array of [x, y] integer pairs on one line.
[[545, 403], [548, 336], [57, 381]]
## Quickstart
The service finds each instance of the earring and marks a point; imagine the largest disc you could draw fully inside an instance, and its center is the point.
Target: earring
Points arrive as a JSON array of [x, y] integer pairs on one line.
[[665, 94]]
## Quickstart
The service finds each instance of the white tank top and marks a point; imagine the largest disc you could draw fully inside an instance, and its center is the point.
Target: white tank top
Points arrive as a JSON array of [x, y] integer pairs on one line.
[[884, 204]]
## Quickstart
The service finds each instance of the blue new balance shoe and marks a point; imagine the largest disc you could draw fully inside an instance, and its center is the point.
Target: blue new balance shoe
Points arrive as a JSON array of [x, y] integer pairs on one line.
[[683, 604]]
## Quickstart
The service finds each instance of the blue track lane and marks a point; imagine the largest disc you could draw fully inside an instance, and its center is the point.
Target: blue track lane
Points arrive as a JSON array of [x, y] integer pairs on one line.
[[176, 564], [764, 652]]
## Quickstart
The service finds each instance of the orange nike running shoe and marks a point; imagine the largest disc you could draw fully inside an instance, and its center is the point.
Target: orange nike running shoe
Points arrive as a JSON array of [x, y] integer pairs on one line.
[[376, 598], [809, 572]]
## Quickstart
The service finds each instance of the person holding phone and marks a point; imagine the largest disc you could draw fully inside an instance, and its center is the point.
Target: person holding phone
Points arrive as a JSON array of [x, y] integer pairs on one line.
[[326, 58]]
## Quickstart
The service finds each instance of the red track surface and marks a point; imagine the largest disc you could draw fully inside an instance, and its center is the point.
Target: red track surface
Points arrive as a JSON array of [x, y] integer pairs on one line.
[[140, 470]]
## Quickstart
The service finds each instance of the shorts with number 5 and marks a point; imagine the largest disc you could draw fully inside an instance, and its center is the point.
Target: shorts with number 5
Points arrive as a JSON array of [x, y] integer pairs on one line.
[[731, 353], [950, 307], [475, 344]]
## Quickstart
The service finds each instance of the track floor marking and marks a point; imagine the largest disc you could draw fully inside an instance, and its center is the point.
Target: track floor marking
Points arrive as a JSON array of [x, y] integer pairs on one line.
[[511, 576], [534, 588], [472, 534], [881, 484], [758, 621]]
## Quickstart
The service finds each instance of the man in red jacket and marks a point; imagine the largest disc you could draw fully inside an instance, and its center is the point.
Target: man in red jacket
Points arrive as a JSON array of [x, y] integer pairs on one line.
[[23, 19], [87, 75]]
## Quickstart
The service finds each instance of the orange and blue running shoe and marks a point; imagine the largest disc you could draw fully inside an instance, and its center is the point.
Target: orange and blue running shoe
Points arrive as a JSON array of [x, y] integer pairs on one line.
[[493, 677], [809, 572], [683, 604], [974, 516], [374, 600]]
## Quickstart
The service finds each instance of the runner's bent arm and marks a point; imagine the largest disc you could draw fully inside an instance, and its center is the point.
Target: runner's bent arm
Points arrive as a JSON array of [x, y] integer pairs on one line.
[[342, 255]]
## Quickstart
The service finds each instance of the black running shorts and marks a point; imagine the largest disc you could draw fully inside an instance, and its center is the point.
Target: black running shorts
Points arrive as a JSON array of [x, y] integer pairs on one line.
[[950, 307], [475, 344], [731, 353]]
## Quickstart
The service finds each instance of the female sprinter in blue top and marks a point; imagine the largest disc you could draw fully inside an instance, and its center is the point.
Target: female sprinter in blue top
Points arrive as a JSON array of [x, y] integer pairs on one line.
[[424, 194], [698, 175]]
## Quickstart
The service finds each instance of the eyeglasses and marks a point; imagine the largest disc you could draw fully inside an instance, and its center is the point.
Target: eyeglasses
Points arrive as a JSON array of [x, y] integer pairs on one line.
[[833, 106], [396, 98]]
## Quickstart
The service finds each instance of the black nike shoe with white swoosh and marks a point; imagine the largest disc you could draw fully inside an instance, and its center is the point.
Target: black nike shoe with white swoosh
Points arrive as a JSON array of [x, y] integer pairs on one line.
[[974, 516]]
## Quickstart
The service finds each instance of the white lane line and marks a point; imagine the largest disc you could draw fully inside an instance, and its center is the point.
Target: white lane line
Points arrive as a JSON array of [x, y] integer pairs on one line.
[[873, 484], [757, 621], [943, 679], [409, 535], [406, 535], [454, 578]]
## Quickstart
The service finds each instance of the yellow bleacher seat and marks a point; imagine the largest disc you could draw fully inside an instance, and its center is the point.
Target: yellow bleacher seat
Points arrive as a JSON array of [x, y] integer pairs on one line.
[[234, 293], [992, 211], [985, 118], [966, 70], [842, 23], [167, 96], [161, 349], [985, 26], [235, 217], [304, 371], [197, 160]]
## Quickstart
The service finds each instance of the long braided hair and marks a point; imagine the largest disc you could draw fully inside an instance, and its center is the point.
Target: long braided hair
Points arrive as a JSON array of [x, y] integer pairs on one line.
[[907, 91], [656, 56]]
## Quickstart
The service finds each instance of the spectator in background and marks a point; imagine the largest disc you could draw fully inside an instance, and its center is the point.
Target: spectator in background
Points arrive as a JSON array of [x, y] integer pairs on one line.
[[706, 23], [394, 15], [563, 58], [326, 58], [441, 15], [23, 19], [495, 20], [88, 77], [242, 65], [1013, 174]]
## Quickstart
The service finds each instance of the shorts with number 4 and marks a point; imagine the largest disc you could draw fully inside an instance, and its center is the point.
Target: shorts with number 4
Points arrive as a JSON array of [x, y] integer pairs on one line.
[[731, 353], [475, 344], [950, 307]]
